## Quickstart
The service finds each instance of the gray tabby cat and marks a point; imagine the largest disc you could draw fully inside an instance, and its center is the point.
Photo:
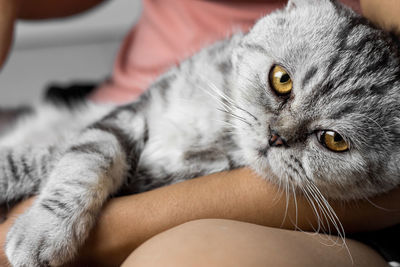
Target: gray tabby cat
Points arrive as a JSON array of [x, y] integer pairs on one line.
[[311, 92]]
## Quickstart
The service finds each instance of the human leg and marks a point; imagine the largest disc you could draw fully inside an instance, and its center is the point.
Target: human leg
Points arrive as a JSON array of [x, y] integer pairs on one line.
[[230, 243]]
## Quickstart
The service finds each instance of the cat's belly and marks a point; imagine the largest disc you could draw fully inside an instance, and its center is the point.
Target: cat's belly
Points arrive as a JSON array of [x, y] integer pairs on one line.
[[187, 141]]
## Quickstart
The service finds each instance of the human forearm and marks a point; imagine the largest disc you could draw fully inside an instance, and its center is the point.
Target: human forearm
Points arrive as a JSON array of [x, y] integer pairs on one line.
[[129, 221], [383, 12]]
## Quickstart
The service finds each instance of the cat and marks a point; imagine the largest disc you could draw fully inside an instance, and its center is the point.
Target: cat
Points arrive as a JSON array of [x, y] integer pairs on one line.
[[311, 93]]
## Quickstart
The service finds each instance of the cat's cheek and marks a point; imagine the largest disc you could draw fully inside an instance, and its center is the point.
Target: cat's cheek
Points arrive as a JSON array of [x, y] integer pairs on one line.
[[334, 172]]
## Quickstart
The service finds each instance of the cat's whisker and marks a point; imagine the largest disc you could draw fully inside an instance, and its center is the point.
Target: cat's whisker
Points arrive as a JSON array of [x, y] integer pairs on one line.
[[231, 125], [296, 227], [295, 205], [224, 96], [380, 207], [227, 112], [336, 222], [287, 203], [214, 92], [328, 235], [322, 211], [329, 216], [314, 208], [228, 99], [313, 200], [232, 114], [254, 82], [227, 109], [225, 122], [278, 196], [317, 230], [320, 223], [247, 112], [222, 103], [235, 116], [377, 124], [214, 88], [328, 212]]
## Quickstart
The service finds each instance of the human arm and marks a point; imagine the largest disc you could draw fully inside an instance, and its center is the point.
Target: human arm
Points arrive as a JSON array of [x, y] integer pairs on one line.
[[384, 13], [126, 222], [239, 195]]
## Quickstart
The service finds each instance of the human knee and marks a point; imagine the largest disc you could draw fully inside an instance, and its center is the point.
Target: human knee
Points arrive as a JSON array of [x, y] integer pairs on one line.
[[195, 243]]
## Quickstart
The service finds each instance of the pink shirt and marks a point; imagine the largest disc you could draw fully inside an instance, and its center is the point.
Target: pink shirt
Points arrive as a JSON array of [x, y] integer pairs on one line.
[[171, 30]]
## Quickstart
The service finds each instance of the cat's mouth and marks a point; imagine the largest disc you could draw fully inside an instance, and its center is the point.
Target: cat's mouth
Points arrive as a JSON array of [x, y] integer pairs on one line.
[[263, 152]]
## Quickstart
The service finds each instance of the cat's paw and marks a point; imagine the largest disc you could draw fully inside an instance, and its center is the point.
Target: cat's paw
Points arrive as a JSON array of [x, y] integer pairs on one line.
[[39, 238], [3, 190], [5, 198]]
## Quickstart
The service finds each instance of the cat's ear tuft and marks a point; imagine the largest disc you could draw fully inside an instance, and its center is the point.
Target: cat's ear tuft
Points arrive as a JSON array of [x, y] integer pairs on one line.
[[293, 4]]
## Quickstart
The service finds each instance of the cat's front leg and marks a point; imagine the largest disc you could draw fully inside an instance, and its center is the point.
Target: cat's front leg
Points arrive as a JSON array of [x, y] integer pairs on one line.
[[58, 223], [23, 171]]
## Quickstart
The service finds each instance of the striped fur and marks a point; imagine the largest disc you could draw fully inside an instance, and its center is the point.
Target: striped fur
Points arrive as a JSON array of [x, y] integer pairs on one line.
[[215, 111]]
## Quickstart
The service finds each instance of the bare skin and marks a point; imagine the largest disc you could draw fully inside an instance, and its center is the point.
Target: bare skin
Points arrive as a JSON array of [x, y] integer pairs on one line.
[[384, 13], [238, 195], [227, 243]]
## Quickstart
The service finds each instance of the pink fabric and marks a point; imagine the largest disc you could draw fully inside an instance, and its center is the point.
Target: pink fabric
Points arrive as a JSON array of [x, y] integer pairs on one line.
[[171, 30]]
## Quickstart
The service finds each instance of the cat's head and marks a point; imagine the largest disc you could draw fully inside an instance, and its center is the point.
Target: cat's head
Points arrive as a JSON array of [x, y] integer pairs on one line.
[[318, 88]]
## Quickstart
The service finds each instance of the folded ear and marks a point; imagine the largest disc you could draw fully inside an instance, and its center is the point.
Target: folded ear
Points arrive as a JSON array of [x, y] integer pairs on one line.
[[298, 3]]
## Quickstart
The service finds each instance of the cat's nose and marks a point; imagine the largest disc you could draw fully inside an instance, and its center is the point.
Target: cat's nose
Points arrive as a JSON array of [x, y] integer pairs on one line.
[[276, 140]]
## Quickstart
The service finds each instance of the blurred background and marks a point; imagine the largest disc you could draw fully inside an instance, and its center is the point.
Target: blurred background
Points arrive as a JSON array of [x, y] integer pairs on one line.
[[80, 48]]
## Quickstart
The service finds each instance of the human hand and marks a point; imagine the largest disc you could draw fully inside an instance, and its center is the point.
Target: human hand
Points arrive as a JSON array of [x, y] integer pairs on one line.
[[5, 226]]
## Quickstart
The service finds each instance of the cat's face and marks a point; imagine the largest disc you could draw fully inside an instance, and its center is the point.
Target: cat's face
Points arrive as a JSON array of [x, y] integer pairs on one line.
[[319, 90]]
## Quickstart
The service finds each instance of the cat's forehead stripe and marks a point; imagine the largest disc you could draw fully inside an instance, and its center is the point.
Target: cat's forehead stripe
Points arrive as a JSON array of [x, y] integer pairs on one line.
[[309, 75], [347, 28], [343, 110], [255, 47]]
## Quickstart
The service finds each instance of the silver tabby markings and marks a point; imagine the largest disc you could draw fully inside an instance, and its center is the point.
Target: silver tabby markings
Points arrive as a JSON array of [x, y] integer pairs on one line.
[[327, 126]]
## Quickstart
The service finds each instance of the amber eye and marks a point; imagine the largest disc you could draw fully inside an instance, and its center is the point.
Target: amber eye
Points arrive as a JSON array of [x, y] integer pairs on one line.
[[333, 141], [280, 80]]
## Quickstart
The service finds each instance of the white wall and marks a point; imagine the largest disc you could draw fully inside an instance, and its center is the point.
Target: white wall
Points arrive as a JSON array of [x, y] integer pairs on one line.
[[81, 48]]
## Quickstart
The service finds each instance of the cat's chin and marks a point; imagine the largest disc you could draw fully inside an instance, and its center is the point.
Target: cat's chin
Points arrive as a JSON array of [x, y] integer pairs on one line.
[[267, 165]]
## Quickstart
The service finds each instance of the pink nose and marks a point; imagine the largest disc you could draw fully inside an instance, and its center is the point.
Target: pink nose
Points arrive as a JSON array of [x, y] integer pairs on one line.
[[275, 140]]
